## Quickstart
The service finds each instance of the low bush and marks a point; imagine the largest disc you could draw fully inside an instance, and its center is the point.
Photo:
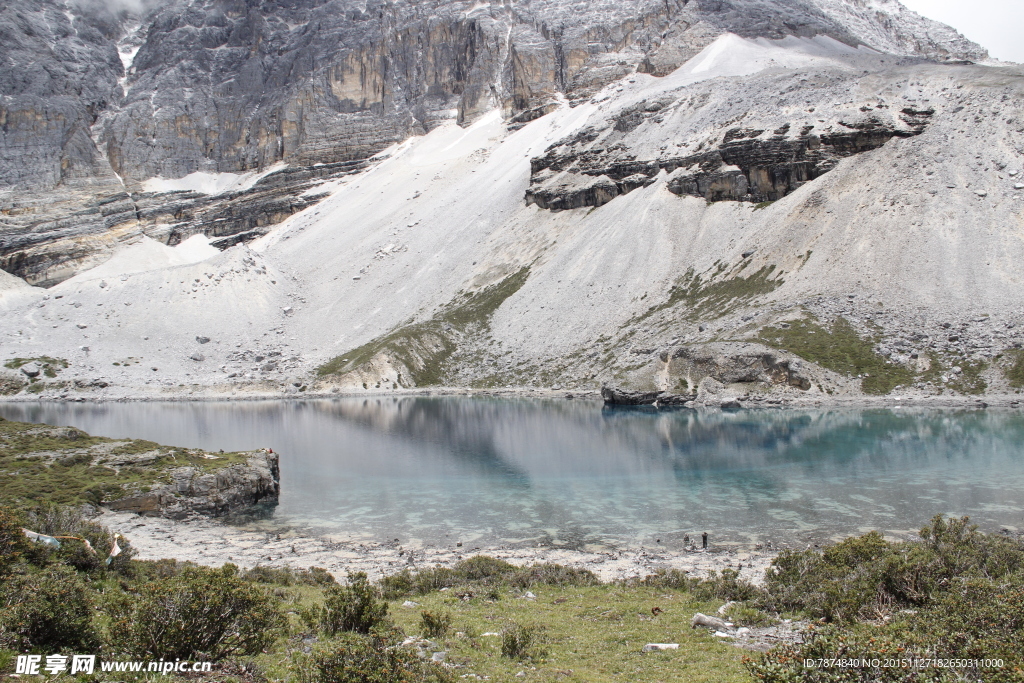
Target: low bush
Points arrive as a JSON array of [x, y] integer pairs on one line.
[[725, 586], [13, 544], [286, 576], [372, 658], [742, 614], [553, 575], [957, 594], [356, 606], [48, 611], [84, 545], [197, 613], [678, 579], [520, 641], [435, 624], [483, 571]]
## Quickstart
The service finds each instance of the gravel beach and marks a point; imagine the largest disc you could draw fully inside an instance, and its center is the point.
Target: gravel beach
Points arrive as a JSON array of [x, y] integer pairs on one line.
[[209, 542]]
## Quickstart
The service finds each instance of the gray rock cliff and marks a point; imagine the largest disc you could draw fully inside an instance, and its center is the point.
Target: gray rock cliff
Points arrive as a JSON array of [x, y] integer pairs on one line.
[[93, 102]]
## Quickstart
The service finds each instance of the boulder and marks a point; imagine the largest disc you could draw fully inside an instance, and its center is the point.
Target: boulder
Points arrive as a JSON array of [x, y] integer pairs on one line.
[[31, 369]]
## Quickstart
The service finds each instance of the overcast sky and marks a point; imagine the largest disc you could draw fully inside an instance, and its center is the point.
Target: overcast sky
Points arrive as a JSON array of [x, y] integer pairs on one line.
[[997, 25]]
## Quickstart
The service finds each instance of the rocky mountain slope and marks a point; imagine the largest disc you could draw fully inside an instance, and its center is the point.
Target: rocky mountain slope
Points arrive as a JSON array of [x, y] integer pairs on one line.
[[524, 195], [98, 100]]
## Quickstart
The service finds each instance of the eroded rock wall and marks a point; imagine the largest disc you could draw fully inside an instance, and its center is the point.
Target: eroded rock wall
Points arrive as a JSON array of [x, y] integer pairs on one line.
[[93, 101]]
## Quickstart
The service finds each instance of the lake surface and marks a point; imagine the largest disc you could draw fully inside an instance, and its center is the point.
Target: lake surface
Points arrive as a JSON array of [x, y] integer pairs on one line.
[[575, 474]]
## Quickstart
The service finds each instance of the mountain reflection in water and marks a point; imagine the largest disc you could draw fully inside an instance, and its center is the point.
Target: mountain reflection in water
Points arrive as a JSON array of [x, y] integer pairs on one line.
[[574, 474]]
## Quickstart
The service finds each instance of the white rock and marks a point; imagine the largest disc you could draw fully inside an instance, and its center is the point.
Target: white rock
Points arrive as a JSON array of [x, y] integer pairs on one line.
[[654, 647], [438, 656], [410, 604], [723, 634]]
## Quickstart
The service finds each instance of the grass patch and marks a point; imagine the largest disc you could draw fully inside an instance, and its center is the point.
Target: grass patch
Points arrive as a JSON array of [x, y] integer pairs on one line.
[[15, 363], [425, 348], [967, 381], [763, 205], [1015, 370], [709, 299], [590, 634], [970, 381], [841, 350]]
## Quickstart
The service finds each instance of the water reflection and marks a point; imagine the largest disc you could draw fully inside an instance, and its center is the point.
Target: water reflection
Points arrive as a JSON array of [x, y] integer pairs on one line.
[[575, 474]]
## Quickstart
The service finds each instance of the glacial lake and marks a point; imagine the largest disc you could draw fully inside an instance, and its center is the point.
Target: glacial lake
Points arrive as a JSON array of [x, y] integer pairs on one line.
[[575, 474]]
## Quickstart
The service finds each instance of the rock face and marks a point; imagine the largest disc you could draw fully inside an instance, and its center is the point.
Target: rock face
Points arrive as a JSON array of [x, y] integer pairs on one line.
[[221, 492], [95, 101], [735, 364], [768, 158]]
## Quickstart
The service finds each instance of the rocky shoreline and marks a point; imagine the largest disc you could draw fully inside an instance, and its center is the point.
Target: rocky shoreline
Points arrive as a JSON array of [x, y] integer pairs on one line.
[[208, 542], [242, 393]]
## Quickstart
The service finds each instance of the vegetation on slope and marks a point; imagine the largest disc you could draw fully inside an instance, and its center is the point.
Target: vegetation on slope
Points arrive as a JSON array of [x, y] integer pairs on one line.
[[425, 348], [839, 348], [67, 466]]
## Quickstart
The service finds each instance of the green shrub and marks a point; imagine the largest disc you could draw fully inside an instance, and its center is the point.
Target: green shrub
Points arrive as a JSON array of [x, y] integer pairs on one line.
[[13, 543], [315, 576], [479, 570], [725, 586], [398, 585], [373, 658], [743, 614], [152, 570], [356, 606], [281, 576], [63, 520], [678, 579], [47, 611], [553, 575], [435, 624], [482, 567], [286, 576], [788, 663], [976, 619], [955, 594], [520, 642], [197, 613], [353, 658], [868, 577]]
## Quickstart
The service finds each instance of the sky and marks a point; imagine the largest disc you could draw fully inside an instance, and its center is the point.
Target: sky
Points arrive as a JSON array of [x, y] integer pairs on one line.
[[997, 25]]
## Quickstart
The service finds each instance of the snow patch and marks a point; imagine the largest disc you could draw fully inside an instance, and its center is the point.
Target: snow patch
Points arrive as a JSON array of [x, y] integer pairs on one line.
[[208, 183], [147, 255]]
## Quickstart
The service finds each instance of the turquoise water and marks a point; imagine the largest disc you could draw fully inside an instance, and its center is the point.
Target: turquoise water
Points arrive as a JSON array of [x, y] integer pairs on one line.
[[576, 474]]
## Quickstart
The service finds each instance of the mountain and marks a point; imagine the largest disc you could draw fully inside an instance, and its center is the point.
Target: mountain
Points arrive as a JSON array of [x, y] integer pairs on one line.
[[508, 194]]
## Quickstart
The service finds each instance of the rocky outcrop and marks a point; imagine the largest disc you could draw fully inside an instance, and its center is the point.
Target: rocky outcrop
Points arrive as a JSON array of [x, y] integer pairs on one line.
[[220, 492], [736, 364], [748, 164]]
